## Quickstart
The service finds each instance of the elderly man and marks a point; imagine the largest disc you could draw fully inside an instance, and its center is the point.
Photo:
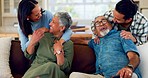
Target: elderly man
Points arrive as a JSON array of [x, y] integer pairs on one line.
[[50, 58], [114, 54]]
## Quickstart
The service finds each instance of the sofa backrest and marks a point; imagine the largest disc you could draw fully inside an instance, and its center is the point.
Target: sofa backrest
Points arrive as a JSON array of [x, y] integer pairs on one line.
[[84, 59]]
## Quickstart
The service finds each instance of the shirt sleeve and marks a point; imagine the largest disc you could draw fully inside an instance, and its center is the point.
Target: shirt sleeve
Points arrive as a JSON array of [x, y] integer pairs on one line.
[[90, 43], [142, 33], [29, 56], [48, 18], [128, 45], [68, 56], [23, 39], [66, 36], [109, 15]]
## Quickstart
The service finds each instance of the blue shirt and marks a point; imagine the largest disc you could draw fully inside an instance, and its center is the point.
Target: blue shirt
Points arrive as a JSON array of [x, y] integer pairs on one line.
[[111, 53], [43, 22]]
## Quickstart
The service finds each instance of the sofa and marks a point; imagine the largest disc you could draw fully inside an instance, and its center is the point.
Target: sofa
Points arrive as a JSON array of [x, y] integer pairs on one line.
[[83, 61]]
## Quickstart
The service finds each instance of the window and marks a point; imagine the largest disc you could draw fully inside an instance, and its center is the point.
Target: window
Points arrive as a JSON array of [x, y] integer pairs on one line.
[[9, 7], [81, 9]]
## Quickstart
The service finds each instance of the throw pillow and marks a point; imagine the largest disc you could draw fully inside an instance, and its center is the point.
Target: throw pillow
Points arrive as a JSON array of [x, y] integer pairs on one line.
[[5, 44], [143, 50]]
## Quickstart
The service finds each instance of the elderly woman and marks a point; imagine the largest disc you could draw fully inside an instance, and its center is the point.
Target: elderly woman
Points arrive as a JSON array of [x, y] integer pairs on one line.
[[50, 58]]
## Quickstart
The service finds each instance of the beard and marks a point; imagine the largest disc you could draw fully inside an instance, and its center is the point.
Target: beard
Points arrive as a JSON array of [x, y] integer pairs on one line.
[[104, 32]]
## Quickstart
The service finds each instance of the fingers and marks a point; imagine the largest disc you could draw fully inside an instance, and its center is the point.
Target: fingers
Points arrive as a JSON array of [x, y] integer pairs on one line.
[[128, 73], [37, 35], [126, 34], [43, 29], [96, 40], [125, 73], [57, 46]]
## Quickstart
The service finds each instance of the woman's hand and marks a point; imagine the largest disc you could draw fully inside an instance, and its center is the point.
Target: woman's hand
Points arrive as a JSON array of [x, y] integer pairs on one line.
[[58, 51], [36, 36], [57, 47], [43, 29], [127, 35]]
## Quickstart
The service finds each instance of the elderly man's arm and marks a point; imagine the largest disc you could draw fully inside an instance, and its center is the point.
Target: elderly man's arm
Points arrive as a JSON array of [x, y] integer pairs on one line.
[[134, 61]]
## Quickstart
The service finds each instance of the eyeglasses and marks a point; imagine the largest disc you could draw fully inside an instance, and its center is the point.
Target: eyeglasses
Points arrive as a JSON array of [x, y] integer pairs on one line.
[[99, 23]]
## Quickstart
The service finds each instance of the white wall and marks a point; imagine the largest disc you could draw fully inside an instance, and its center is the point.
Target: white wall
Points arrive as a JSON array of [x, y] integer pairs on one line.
[[144, 7]]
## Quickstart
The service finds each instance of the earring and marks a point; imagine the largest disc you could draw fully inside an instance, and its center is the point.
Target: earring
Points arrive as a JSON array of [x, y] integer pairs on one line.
[[27, 18]]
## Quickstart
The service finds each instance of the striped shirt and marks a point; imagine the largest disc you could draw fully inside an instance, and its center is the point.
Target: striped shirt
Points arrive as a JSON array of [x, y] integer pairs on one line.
[[138, 28]]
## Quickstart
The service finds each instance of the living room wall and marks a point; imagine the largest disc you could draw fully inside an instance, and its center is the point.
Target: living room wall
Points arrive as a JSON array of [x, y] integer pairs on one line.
[[0, 14]]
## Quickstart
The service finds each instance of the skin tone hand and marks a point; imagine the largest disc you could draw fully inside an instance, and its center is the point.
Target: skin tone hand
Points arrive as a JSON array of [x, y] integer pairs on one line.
[[96, 40], [57, 46], [125, 72], [43, 29], [127, 35], [62, 41], [60, 57], [36, 36]]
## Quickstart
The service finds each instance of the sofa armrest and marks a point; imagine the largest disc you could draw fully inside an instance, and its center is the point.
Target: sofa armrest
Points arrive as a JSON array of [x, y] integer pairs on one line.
[[18, 63]]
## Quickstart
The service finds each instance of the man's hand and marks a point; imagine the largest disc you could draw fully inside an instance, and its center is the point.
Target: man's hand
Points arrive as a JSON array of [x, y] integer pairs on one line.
[[127, 35], [96, 40], [125, 72]]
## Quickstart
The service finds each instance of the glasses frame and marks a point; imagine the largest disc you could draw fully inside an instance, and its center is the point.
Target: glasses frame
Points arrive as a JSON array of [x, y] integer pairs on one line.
[[100, 22]]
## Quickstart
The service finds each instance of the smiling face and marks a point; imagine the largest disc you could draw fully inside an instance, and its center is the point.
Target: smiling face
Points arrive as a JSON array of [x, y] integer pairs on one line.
[[35, 14], [55, 27], [119, 18], [102, 26]]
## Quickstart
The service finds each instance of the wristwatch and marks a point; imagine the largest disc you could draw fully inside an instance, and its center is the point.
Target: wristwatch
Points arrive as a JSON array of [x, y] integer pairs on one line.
[[130, 66], [58, 52]]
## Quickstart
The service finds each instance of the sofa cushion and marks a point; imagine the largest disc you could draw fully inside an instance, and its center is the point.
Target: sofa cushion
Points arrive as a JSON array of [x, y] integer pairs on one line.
[[5, 44]]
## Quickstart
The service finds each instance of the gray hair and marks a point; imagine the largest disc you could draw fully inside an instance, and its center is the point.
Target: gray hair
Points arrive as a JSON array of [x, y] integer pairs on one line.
[[93, 27], [64, 19]]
